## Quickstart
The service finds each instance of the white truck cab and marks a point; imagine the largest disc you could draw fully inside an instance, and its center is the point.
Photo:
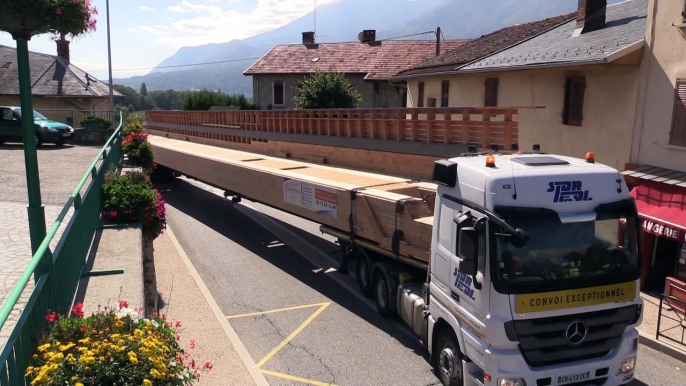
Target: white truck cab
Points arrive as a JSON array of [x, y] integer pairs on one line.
[[534, 272]]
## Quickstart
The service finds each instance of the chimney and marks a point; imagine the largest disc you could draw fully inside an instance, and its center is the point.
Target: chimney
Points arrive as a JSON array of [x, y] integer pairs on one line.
[[590, 16], [367, 36], [63, 49], [308, 38]]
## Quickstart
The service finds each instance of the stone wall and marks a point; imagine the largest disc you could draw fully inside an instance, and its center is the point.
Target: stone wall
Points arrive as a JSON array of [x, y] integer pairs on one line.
[[374, 93]]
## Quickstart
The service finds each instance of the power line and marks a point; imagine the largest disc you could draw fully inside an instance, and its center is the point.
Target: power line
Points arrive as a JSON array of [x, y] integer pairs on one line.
[[179, 65], [244, 59]]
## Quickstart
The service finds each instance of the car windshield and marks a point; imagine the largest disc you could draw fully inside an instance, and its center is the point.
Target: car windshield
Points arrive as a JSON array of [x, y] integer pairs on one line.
[[557, 251], [36, 115]]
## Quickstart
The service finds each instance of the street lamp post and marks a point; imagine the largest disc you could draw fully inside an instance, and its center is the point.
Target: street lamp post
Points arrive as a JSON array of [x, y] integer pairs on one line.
[[36, 209], [109, 59]]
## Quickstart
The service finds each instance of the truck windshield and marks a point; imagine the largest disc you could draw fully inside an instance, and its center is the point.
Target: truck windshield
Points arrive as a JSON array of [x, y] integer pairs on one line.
[[563, 252]]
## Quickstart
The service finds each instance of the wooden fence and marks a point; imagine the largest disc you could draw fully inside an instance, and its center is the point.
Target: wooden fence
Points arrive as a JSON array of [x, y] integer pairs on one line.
[[480, 126]]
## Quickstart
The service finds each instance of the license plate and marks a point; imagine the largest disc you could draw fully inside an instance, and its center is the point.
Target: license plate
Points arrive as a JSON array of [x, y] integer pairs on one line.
[[564, 379], [66, 135]]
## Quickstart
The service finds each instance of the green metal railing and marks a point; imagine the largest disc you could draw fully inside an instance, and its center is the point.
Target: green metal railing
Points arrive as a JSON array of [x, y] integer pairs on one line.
[[57, 273]]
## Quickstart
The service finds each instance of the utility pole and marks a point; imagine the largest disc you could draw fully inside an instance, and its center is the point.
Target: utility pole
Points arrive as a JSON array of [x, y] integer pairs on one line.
[[314, 14], [109, 59], [438, 41]]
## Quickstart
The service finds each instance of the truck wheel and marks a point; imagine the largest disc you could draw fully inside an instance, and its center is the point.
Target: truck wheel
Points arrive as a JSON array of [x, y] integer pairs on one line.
[[448, 359], [364, 273], [382, 294]]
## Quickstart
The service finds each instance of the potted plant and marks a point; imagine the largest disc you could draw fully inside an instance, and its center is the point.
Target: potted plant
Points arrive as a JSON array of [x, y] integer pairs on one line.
[[26, 18]]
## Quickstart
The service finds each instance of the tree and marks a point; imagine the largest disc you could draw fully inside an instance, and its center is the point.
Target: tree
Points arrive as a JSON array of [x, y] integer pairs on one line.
[[144, 90], [204, 99], [326, 90]]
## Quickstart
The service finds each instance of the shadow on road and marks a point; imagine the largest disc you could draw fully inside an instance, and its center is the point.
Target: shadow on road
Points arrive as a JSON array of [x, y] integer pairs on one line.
[[221, 216]]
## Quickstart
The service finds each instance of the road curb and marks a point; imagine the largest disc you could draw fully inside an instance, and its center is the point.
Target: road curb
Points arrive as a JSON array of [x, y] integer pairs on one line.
[[664, 348], [248, 362]]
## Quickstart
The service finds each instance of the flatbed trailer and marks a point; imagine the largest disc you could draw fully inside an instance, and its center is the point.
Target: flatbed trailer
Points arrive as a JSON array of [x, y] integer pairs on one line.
[[391, 215]]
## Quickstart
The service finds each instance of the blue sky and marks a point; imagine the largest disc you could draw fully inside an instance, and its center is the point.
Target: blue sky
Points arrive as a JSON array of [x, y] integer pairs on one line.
[[145, 32]]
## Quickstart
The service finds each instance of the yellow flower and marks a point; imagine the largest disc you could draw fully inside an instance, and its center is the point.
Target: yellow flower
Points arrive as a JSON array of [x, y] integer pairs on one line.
[[35, 356], [102, 359], [84, 341], [115, 337], [29, 370], [44, 347], [138, 333], [119, 324], [78, 384], [147, 382], [71, 358], [74, 378]]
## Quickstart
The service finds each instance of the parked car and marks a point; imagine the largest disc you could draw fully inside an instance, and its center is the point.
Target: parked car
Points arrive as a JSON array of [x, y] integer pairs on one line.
[[46, 130]]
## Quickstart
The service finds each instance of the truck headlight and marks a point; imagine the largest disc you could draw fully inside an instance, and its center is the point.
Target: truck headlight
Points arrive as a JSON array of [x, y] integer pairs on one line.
[[627, 366], [511, 382]]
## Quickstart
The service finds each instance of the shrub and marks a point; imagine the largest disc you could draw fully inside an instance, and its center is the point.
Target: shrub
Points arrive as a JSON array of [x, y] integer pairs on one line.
[[112, 347], [104, 123], [136, 146], [130, 197], [326, 90]]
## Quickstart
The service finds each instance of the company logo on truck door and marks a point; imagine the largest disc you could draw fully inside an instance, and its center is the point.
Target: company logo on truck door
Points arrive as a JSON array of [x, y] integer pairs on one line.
[[464, 283], [568, 191]]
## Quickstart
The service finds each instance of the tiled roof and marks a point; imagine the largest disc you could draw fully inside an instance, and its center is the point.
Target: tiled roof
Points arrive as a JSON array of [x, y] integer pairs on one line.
[[487, 45], [378, 60], [625, 25], [50, 75]]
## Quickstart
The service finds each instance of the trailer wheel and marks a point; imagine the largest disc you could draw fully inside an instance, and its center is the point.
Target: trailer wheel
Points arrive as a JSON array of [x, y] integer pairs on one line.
[[364, 273], [448, 359], [382, 294]]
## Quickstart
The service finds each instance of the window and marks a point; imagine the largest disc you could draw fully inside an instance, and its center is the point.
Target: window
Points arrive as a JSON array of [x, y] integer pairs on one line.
[[572, 113], [279, 93], [491, 92], [420, 95], [445, 92], [403, 97], [677, 135], [7, 115]]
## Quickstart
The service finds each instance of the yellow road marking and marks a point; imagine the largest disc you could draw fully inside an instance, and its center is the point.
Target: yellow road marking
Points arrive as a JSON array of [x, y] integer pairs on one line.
[[296, 379], [277, 310], [293, 334]]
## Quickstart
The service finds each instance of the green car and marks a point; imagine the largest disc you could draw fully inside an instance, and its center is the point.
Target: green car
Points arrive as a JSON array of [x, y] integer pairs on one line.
[[46, 130]]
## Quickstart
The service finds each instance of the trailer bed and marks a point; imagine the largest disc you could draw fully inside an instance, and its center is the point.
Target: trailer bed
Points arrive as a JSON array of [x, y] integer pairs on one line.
[[394, 213]]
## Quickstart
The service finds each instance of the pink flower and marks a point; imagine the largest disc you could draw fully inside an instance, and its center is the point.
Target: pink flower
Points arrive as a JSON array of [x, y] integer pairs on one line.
[[193, 346], [178, 324], [78, 310], [123, 304], [207, 366], [51, 317], [59, 11]]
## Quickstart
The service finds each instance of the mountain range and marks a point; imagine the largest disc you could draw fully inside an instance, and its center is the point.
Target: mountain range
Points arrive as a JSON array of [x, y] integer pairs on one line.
[[341, 22]]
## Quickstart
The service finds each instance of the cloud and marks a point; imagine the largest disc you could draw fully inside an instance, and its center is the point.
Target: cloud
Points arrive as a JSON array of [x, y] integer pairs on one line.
[[217, 22], [144, 8]]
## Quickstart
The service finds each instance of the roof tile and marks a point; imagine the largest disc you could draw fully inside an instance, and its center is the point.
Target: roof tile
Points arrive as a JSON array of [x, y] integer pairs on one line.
[[378, 60]]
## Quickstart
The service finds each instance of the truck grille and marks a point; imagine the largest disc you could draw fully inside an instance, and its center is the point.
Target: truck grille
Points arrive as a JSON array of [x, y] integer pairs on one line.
[[543, 341]]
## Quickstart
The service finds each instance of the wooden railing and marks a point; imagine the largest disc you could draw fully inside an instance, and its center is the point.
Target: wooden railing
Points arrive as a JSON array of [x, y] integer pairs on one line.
[[480, 126]]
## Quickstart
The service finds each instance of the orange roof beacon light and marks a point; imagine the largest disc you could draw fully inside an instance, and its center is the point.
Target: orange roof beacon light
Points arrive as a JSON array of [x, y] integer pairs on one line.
[[590, 157], [490, 161]]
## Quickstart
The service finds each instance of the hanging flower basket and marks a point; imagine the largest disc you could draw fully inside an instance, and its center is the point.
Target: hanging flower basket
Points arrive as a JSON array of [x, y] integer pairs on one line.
[[26, 18]]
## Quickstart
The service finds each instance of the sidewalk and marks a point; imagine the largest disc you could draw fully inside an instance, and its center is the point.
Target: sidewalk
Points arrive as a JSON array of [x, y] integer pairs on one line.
[[648, 329], [15, 254], [184, 297]]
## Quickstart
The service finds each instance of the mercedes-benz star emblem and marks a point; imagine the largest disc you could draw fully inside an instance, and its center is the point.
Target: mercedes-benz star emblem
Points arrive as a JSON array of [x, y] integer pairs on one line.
[[576, 333]]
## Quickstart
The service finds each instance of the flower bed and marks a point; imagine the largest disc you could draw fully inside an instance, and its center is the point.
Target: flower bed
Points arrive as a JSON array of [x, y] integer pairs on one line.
[[112, 347], [130, 197], [136, 147]]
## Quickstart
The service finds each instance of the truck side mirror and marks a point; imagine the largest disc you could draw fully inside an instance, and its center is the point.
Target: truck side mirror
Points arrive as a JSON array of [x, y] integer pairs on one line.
[[468, 249]]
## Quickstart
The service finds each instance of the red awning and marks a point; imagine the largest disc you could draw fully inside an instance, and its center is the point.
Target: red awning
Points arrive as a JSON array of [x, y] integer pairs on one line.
[[663, 209]]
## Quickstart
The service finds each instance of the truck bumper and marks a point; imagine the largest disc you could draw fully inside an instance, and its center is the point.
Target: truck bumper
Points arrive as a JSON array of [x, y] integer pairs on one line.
[[598, 371]]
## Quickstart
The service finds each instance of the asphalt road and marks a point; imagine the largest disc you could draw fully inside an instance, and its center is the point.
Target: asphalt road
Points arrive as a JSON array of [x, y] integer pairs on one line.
[[267, 271]]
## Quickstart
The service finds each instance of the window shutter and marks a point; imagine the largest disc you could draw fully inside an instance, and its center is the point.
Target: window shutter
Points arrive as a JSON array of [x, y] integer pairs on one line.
[[677, 134], [574, 101], [445, 93], [420, 95], [491, 92]]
